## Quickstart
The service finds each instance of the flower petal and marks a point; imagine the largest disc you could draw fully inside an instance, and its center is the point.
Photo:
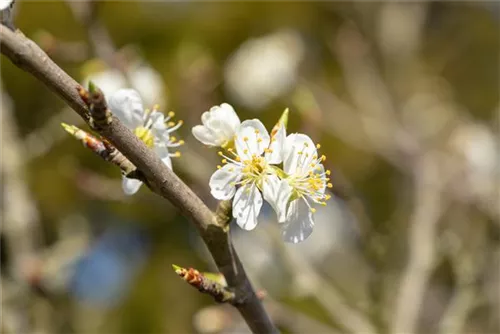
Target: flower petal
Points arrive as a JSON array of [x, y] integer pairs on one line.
[[157, 121], [276, 146], [223, 122], [5, 3], [246, 206], [204, 135], [164, 155], [230, 115], [298, 153], [251, 138], [299, 222], [277, 193], [222, 181], [130, 186], [126, 104]]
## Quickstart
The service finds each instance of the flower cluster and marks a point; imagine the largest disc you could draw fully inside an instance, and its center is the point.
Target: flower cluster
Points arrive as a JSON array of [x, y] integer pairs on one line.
[[149, 125], [285, 171]]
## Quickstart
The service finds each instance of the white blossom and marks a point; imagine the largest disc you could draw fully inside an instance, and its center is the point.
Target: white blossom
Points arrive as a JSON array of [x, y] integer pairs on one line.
[[150, 126], [5, 3], [138, 75], [264, 68], [248, 166], [304, 184], [219, 126]]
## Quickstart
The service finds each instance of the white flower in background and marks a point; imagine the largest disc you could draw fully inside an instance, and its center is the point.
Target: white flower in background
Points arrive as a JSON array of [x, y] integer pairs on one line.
[[304, 184], [142, 77], [150, 126], [479, 150], [219, 126], [249, 167], [5, 3], [264, 68]]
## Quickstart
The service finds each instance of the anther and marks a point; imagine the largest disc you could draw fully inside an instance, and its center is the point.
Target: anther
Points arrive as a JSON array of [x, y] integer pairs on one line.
[[219, 166], [245, 138], [329, 185], [318, 146], [171, 114], [170, 124]]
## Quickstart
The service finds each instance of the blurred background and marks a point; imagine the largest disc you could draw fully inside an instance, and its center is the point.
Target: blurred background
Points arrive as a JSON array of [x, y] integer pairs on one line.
[[403, 97]]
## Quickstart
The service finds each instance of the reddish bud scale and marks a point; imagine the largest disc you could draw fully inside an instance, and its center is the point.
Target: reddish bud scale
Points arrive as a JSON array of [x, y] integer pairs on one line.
[[205, 285], [84, 95], [94, 144]]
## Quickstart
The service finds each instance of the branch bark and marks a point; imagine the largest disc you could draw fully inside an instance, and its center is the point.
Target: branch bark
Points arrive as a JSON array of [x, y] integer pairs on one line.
[[25, 54]]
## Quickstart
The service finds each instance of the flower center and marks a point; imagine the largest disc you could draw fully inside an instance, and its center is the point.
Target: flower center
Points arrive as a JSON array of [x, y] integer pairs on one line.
[[146, 135], [254, 169]]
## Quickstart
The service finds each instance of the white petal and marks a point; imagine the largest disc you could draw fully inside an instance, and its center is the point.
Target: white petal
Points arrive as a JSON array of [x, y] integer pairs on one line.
[[299, 222], [221, 181], [246, 206], [230, 115], [157, 121], [130, 186], [205, 117], [164, 155], [4, 4], [320, 169], [126, 104], [253, 130], [277, 193], [167, 161], [277, 145], [295, 162], [222, 122], [204, 135]]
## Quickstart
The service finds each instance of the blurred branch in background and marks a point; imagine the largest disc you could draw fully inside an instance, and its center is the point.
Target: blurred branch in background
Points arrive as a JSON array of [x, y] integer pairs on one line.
[[20, 226], [422, 238]]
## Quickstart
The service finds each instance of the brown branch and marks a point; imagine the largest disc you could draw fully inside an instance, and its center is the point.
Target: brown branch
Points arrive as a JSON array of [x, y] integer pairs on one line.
[[25, 54]]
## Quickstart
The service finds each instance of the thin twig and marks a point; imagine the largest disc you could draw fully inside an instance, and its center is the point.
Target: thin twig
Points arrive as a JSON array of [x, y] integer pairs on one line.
[[27, 55], [422, 246]]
